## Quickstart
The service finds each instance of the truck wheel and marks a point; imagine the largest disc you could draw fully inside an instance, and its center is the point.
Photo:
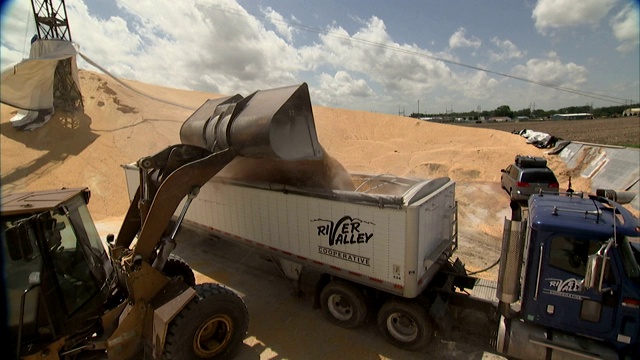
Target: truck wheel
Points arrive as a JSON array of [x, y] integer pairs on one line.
[[175, 266], [343, 304], [211, 326], [405, 324]]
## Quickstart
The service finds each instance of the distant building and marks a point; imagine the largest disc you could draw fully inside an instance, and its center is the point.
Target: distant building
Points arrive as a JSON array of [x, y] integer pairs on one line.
[[522, 118], [499, 119], [631, 112], [579, 116], [437, 119]]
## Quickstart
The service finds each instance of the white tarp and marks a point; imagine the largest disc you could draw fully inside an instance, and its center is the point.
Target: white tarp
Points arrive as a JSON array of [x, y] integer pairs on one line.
[[28, 84]]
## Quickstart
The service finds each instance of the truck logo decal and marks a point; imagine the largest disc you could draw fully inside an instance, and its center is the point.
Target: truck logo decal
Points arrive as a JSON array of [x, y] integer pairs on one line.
[[345, 231], [343, 255], [565, 288]]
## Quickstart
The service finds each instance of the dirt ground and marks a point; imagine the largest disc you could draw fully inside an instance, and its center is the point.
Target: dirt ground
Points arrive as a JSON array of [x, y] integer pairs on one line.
[[622, 131]]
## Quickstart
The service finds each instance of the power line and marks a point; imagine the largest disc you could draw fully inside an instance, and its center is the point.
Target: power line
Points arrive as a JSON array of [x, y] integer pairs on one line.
[[307, 28]]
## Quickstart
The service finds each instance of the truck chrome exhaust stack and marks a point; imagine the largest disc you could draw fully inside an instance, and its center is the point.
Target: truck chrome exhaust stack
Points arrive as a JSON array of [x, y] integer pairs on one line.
[[508, 291], [276, 123]]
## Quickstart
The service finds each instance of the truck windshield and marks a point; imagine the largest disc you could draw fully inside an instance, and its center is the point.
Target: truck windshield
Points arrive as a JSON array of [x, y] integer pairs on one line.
[[629, 259]]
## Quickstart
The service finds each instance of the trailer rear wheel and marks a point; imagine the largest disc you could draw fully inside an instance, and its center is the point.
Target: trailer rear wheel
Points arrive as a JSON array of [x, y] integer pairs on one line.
[[344, 304], [405, 324], [211, 326]]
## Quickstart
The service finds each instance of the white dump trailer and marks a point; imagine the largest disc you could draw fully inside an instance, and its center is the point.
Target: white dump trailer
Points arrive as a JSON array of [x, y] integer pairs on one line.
[[391, 235]]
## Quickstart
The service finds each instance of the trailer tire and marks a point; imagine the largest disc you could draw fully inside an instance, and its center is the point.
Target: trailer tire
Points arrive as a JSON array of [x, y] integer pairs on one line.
[[211, 326], [344, 304], [405, 324], [176, 266]]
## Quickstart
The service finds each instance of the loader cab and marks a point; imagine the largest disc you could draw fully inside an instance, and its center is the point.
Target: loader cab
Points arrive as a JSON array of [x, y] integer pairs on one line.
[[564, 235], [58, 275]]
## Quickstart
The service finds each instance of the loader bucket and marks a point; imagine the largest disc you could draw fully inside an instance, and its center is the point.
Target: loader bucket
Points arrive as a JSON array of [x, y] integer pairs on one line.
[[276, 123]]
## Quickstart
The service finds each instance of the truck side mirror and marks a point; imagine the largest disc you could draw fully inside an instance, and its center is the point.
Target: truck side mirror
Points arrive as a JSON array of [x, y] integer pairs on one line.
[[18, 242], [597, 267]]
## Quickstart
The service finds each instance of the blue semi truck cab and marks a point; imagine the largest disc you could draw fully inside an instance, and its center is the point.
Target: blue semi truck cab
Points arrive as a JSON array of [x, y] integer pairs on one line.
[[569, 283]]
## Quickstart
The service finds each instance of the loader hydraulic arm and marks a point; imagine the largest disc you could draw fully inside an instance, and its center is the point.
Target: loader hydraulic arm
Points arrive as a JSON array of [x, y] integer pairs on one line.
[[165, 179]]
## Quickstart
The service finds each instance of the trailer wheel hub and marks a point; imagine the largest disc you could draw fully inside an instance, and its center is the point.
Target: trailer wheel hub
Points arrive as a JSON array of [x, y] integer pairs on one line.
[[212, 336], [340, 307], [402, 327]]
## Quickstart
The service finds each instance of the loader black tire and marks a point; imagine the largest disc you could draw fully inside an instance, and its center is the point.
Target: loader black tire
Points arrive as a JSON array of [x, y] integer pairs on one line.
[[211, 326], [344, 304], [176, 266], [405, 324]]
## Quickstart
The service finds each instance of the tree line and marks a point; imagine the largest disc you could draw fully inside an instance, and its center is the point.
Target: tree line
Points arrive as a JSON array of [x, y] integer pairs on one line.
[[505, 110]]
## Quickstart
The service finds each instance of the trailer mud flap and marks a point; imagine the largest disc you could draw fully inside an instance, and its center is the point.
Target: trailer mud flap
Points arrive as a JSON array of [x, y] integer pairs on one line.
[[438, 310]]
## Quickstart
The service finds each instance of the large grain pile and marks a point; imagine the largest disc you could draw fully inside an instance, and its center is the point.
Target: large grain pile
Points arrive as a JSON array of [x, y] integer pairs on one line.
[[119, 126]]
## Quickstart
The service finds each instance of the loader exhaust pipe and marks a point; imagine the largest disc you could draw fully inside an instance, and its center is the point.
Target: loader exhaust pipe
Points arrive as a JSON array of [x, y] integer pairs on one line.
[[276, 123]]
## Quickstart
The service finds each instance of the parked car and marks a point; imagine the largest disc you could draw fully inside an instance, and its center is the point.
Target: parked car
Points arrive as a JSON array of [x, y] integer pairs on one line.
[[526, 176]]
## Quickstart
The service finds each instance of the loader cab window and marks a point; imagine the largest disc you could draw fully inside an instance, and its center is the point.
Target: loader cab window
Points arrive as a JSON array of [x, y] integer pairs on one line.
[[22, 270], [571, 254], [70, 263]]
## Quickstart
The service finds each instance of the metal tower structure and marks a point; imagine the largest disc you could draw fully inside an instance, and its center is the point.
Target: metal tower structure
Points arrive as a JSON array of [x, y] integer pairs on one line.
[[52, 23]]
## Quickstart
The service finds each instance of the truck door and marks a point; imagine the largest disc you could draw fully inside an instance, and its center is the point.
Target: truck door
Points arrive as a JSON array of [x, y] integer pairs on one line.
[[559, 303]]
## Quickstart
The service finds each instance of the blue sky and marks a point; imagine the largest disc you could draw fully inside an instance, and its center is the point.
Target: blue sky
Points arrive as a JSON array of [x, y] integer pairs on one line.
[[375, 55]]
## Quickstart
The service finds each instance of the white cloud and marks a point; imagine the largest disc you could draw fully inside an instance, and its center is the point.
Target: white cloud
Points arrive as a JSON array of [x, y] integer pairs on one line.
[[20, 28], [10, 57], [221, 49], [371, 51], [508, 50], [343, 85], [394, 70], [476, 85], [552, 71], [280, 24], [458, 40], [625, 28], [553, 14]]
